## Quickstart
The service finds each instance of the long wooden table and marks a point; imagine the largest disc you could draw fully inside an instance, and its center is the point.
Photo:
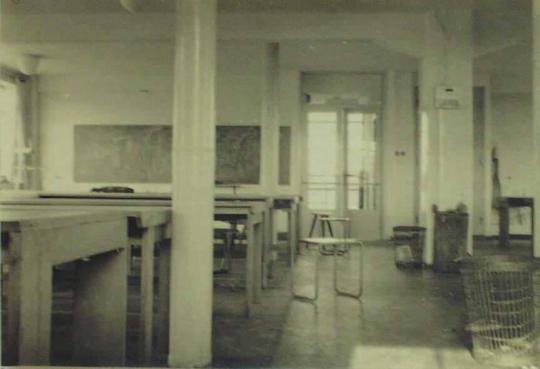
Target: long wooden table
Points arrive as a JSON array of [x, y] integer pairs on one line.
[[151, 220], [288, 203], [38, 240], [147, 227]]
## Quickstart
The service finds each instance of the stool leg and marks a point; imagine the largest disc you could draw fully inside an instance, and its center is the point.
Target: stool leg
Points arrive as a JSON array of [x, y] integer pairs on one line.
[[325, 223], [329, 225], [313, 225], [316, 284], [360, 279]]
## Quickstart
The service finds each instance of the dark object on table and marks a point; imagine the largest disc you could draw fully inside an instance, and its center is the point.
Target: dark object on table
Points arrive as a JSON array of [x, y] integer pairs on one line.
[[113, 189], [450, 238], [504, 204]]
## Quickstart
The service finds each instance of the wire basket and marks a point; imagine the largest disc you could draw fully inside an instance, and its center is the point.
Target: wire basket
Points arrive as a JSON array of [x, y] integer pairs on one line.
[[500, 304]]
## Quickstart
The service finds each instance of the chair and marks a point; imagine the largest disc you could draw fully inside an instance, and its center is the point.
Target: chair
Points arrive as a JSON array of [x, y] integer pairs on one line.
[[325, 223], [332, 243]]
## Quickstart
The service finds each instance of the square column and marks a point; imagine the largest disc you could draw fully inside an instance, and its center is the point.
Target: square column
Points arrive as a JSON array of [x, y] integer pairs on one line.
[[446, 134], [190, 327]]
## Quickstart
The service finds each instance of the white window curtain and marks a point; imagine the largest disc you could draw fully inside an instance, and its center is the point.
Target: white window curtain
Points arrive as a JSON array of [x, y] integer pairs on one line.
[[12, 135]]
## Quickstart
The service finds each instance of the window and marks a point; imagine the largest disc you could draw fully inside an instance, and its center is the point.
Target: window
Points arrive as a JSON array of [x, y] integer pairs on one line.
[[10, 137]]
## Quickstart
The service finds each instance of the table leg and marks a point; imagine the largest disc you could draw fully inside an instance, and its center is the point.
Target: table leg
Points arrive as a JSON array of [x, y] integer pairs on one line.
[[100, 310], [251, 240], [504, 226], [316, 282], [147, 293], [293, 231], [290, 237], [267, 246], [30, 301], [163, 308], [257, 262]]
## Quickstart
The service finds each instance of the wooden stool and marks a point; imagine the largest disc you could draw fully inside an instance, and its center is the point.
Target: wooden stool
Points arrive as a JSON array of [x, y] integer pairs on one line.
[[332, 243]]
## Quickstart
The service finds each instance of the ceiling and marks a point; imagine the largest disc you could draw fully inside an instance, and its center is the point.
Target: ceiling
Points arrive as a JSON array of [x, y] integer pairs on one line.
[[502, 28]]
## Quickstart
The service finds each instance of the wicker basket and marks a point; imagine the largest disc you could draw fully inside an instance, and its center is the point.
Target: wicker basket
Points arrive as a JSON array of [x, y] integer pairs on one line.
[[500, 304]]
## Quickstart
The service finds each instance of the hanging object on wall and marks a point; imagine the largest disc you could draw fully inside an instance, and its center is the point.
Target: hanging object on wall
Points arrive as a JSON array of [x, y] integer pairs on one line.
[[496, 182]]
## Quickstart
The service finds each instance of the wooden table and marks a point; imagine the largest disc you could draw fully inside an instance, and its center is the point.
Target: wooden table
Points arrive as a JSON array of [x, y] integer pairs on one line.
[[504, 206], [38, 240], [288, 203], [149, 216], [147, 227]]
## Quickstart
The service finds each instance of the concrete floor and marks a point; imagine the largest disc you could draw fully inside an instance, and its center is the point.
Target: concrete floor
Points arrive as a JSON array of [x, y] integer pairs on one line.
[[406, 318]]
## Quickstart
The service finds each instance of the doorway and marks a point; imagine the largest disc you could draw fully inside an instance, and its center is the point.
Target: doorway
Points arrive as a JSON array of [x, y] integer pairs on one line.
[[343, 165]]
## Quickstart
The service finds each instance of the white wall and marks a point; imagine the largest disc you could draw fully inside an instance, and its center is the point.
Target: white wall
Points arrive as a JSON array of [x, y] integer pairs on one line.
[[512, 135], [399, 135], [140, 95]]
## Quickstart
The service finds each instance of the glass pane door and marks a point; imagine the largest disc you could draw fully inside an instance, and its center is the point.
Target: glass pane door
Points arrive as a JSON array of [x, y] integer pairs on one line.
[[322, 147], [343, 167], [362, 188]]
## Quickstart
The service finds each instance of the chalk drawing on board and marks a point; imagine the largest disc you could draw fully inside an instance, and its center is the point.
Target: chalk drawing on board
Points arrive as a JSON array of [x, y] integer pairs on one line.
[[284, 155], [238, 154], [122, 153]]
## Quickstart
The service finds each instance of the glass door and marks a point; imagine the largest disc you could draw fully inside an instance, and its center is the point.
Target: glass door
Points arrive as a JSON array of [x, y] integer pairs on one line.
[[343, 167]]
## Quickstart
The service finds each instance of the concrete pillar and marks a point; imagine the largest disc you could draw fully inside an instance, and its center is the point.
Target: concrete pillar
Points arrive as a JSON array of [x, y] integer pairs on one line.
[[389, 125], [536, 121], [193, 184], [270, 118], [446, 135], [428, 120]]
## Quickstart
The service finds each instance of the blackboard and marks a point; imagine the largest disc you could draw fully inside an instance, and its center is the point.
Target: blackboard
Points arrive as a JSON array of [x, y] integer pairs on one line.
[[122, 153], [238, 154], [284, 155], [142, 154]]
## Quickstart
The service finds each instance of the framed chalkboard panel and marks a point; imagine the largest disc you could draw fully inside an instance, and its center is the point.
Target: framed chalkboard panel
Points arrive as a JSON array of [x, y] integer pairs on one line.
[[238, 154], [122, 153]]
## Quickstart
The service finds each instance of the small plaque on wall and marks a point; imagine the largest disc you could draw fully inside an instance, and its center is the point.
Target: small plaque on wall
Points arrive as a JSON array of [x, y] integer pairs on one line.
[[446, 97], [238, 154]]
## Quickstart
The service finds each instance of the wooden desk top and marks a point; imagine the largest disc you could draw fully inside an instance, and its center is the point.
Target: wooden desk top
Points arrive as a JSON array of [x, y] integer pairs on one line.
[[14, 218], [159, 196], [144, 216]]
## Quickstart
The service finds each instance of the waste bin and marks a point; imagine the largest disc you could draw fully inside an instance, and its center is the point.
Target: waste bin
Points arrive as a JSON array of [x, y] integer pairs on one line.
[[500, 307], [411, 238], [450, 238]]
